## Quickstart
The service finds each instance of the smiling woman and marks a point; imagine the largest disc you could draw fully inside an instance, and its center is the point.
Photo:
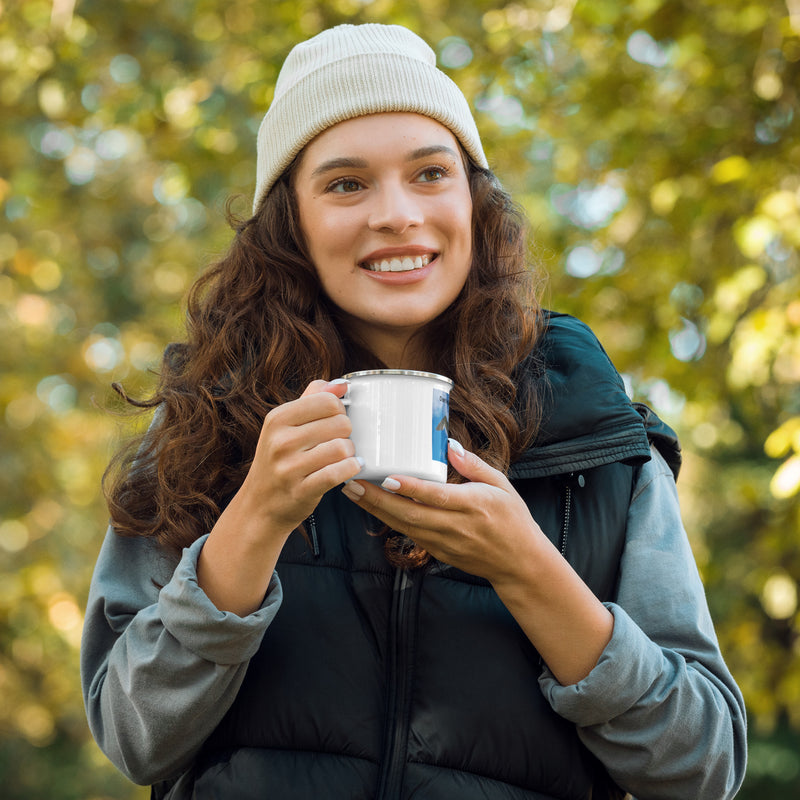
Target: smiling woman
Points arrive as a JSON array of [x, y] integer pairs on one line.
[[386, 212], [533, 628]]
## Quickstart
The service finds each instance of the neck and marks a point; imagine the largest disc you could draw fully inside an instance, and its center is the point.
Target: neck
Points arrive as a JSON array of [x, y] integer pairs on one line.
[[397, 350], [396, 355]]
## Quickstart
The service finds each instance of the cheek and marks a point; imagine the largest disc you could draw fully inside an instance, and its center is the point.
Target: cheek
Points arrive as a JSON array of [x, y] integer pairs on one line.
[[339, 227], [326, 238], [463, 225], [462, 219]]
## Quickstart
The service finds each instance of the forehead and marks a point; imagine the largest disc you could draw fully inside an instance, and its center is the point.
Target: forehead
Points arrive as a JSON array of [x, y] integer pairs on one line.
[[379, 134]]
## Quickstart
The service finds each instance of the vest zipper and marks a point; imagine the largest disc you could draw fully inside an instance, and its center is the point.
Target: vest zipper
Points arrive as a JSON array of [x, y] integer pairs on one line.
[[312, 525], [405, 595], [578, 481], [565, 522]]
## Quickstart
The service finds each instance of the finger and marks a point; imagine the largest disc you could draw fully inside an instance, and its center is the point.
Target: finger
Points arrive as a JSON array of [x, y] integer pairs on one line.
[[318, 431], [337, 387], [333, 474], [398, 512], [429, 493], [318, 396], [308, 407], [472, 467], [314, 387], [327, 453], [301, 424]]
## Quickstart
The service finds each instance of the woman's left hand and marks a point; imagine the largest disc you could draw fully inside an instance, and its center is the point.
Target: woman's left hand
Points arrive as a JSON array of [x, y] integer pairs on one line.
[[482, 527]]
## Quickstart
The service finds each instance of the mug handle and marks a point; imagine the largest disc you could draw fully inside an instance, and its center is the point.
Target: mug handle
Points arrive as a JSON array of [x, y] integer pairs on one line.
[[345, 400]]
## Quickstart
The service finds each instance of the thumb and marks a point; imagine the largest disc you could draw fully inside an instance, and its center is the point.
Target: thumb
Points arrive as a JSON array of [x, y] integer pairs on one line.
[[472, 467]]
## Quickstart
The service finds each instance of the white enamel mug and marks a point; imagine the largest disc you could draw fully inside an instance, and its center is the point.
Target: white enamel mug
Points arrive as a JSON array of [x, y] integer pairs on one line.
[[401, 421]]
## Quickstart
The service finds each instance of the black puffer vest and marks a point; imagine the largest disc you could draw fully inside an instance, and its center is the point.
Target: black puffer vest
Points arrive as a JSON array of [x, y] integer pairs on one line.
[[376, 683]]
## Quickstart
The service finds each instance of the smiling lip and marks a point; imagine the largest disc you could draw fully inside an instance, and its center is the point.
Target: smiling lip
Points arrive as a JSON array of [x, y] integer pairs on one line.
[[404, 264], [398, 259]]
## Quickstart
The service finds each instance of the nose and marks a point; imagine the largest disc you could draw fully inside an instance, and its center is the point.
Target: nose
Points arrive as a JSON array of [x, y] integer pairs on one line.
[[395, 209]]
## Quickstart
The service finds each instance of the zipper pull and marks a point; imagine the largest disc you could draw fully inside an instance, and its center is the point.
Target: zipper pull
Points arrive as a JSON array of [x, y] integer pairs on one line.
[[576, 481], [312, 526]]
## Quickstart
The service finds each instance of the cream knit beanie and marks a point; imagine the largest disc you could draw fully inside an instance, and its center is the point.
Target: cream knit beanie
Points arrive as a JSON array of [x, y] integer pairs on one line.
[[351, 71]]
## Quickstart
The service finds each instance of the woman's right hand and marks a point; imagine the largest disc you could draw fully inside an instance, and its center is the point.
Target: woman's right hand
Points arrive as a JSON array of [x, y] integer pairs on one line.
[[302, 452]]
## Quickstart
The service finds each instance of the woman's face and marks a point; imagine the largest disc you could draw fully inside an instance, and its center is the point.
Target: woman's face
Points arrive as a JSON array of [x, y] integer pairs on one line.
[[386, 212]]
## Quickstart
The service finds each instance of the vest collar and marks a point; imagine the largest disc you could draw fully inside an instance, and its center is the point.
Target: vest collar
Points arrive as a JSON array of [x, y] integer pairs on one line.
[[588, 419]]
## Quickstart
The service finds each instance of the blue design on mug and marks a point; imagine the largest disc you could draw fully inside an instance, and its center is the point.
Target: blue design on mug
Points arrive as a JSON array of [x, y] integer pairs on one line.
[[441, 425]]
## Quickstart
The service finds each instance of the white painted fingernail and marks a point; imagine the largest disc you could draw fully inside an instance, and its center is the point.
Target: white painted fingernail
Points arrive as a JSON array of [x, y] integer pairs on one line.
[[390, 484], [456, 447], [338, 381], [361, 462], [353, 490]]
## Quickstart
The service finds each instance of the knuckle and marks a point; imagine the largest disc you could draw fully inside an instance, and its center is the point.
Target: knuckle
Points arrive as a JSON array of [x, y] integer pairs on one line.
[[283, 474], [335, 450], [281, 442], [439, 496], [343, 426], [414, 517], [345, 448], [273, 418], [329, 403]]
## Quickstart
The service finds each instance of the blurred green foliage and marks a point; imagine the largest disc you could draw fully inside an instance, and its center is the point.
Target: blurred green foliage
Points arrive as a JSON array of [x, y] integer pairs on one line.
[[654, 145]]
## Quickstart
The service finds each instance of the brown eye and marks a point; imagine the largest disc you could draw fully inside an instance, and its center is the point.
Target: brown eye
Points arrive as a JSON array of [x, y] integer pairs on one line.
[[432, 174], [344, 186]]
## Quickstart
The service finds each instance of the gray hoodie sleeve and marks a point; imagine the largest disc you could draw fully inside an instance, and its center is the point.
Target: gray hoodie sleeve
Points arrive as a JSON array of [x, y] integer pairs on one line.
[[660, 709], [160, 664]]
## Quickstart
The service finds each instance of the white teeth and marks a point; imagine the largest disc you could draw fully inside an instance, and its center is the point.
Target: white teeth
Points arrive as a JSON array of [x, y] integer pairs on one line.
[[405, 264]]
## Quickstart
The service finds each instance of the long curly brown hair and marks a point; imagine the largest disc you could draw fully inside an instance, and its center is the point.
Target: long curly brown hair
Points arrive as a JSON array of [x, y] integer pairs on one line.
[[259, 329]]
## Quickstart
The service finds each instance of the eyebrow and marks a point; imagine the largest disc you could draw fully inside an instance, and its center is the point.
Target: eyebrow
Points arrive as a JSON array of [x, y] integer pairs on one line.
[[339, 163], [432, 150], [360, 163]]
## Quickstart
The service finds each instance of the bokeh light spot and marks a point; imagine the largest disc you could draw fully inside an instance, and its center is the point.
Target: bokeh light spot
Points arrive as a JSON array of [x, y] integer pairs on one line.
[[779, 596], [687, 343], [13, 535], [454, 52], [124, 68], [103, 354], [642, 47]]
